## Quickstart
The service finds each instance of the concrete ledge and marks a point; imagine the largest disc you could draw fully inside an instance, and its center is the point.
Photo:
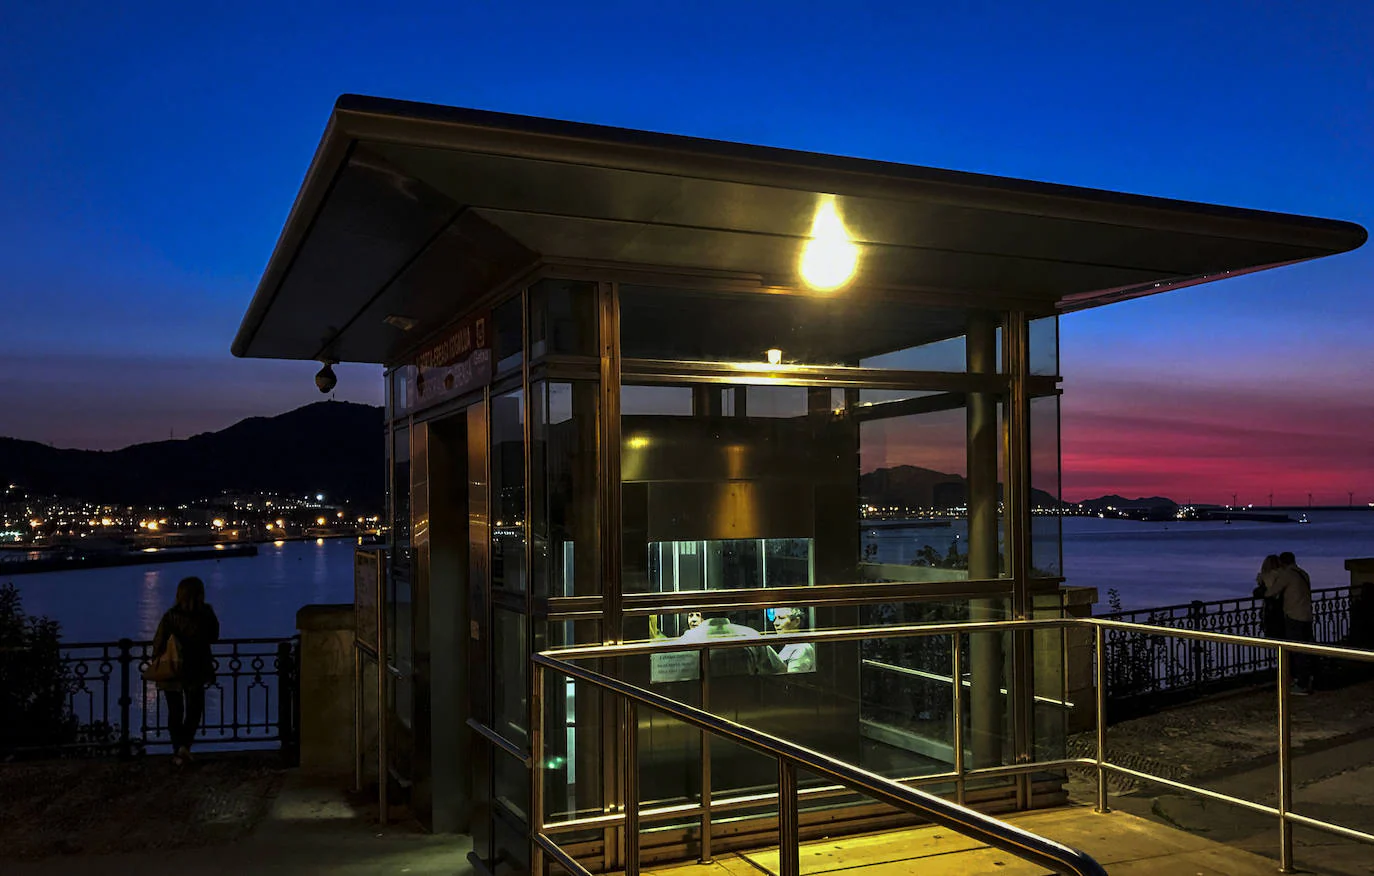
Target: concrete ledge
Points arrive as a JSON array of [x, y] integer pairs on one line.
[[325, 617]]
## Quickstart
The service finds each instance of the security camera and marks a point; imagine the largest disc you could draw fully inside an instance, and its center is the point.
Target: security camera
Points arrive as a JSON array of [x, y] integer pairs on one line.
[[325, 379]]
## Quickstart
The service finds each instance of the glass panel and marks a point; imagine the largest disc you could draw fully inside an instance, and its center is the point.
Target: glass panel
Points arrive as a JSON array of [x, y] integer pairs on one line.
[[762, 497], [844, 329], [510, 783], [730, 564], [886, 704], [707, 499], [399, 650], [669, 750], [509, 833], [563, 318], [397, 400], [1044, 346], [1046, 504], [931, 497], [564, 508], [510, 665], [656, 401], [508, 491], [572, 731], [509, 325], [907, 689]]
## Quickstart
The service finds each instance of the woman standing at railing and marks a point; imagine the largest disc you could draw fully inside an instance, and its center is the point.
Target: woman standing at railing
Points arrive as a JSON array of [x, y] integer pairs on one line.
[[192, 623], [1271, 607]]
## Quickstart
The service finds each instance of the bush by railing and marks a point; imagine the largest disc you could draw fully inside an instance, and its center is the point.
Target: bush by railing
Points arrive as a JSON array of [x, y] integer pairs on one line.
[[1143, 667]]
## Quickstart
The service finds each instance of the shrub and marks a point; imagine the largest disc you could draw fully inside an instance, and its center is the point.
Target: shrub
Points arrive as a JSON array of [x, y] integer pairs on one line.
[[34, 708]]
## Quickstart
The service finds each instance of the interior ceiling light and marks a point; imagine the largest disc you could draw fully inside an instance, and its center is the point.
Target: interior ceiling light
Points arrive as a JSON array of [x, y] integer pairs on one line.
[[774, 356], [830, 257], [404, 323]]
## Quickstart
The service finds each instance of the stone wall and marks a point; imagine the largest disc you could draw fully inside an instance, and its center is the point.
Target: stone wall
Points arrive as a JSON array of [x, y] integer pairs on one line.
[[1079, 602], [1361, 601], [326, 697]]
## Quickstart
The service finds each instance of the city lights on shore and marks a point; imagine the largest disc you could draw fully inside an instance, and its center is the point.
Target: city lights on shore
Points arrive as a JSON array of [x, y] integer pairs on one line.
[[51, 523]]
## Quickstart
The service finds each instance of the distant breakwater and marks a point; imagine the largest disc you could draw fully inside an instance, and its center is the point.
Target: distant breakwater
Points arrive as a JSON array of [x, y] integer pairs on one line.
[[20, 565]]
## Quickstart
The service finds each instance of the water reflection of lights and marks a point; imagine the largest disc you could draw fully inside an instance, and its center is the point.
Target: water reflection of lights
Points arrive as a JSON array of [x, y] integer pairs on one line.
[[319, 541], [149, 603], [278, 543]]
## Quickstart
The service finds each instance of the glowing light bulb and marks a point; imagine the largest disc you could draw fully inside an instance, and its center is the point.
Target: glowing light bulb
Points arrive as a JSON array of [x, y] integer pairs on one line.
[[829, 259], [774, 356]]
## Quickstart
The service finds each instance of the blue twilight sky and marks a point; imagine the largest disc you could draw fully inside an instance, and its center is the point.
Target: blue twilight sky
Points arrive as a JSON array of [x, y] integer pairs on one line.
[[151, 152]]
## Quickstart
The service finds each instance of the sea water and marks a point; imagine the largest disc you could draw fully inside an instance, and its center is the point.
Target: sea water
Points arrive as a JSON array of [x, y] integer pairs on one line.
[[1147, 564]]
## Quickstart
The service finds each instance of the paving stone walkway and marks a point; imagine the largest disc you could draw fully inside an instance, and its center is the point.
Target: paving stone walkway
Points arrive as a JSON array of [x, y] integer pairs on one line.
[[299, 826], [1230, 744], [76, 807]]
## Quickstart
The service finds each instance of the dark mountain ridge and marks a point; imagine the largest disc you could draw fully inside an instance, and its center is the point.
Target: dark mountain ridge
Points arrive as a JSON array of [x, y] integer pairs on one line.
[[1102, 503], [335, 448], [911, 486]]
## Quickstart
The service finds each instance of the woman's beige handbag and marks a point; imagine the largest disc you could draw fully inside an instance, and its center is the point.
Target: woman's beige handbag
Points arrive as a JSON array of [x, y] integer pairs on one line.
[[167, 665]]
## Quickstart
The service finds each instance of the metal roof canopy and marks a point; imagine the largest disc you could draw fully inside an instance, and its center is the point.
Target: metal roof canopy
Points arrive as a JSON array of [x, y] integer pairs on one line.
[[419, 210]]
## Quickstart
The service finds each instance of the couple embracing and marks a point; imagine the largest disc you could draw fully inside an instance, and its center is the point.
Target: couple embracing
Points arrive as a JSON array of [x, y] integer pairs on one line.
[[1287, 591]]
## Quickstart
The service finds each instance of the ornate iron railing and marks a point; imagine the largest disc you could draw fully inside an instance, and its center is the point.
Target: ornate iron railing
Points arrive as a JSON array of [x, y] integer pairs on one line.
[[110, 708], [1141, 666]]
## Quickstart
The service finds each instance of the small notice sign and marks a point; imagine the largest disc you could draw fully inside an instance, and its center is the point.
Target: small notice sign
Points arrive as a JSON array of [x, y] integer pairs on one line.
[[367, 580], [674, 666]]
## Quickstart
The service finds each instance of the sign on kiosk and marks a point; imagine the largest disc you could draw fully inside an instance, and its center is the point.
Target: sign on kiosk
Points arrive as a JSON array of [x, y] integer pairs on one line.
[[458, 361]]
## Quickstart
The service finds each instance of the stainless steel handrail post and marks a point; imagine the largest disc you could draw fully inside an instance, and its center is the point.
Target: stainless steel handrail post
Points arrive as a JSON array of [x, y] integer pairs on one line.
[[536, 815], [358, 732], [957, 672], [631, 767], [383, 756], [704, 670], [789, 836], [1100, 680], [1285, 763]]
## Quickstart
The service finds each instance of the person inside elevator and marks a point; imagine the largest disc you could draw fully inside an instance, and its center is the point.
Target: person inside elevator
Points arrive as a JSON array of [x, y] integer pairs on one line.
[[797, 656], [744, 660]]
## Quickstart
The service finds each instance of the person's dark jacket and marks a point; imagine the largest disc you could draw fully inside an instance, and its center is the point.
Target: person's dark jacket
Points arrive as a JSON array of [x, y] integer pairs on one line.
[[196, 630]]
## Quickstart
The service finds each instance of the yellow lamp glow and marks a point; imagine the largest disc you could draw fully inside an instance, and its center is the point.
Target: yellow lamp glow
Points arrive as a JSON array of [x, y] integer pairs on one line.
[[774, 356], [829, 259]]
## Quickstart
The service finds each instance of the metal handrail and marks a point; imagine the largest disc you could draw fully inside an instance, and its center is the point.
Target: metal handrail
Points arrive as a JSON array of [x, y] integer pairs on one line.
[[969, 822], [557, 660], [1161, 609], [632, 649], [948, 679]]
